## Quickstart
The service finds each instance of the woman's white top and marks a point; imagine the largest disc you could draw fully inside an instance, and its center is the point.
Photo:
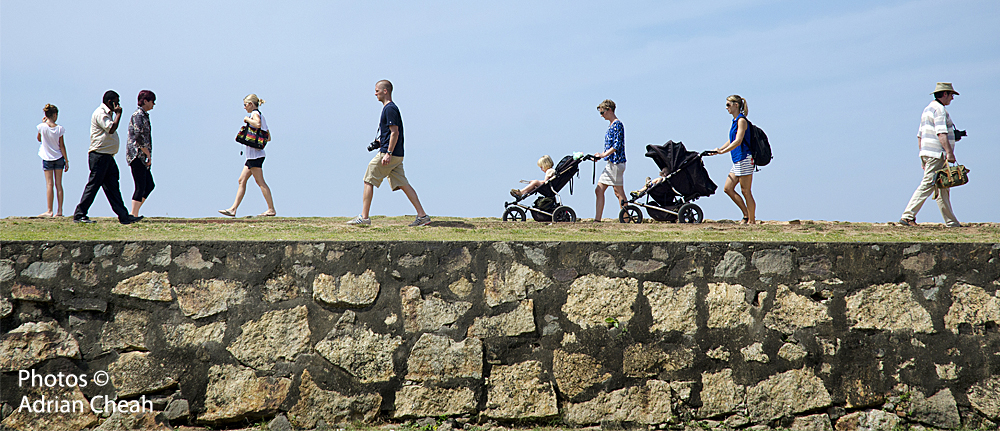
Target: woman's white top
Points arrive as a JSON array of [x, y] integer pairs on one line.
[[49, 149], [251, 152]]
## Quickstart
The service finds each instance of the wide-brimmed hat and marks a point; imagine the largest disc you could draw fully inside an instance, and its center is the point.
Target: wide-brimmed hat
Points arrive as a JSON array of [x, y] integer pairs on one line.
[[944, 86]]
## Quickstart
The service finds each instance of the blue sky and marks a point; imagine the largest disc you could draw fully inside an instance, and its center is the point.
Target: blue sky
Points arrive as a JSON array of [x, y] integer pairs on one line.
[[485, 89]]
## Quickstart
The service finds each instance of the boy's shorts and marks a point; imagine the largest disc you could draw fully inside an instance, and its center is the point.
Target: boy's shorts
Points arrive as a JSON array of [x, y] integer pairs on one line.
[[394, 170]]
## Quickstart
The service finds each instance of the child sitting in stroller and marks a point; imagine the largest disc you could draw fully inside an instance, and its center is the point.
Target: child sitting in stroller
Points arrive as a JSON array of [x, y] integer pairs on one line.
[[546, 165], [650, 182]]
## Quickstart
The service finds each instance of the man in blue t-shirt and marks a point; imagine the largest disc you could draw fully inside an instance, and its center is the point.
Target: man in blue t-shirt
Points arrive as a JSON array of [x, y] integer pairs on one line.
[[389, 160]]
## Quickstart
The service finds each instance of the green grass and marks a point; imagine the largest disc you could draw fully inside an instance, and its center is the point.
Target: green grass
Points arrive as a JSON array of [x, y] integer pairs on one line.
[[477, 229]]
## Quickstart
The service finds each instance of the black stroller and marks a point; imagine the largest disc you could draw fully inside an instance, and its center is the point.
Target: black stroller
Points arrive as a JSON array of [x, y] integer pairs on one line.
[[548, 206], [684, 179]]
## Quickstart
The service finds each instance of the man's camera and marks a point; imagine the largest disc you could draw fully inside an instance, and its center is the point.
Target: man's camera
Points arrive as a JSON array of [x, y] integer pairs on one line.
[[376, 145], [959, 134]]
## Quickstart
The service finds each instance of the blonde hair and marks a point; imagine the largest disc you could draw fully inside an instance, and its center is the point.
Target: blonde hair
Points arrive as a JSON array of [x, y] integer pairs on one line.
[[545, 162], [50, 110], [606, 105], [742, 103], [252, 98]]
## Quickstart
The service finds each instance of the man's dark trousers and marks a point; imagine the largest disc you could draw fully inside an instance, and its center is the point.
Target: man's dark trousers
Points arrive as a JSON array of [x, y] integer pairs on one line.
[[103, 174]]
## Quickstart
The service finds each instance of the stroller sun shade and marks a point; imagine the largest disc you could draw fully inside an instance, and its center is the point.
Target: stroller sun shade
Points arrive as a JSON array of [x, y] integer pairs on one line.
[[690, 178]]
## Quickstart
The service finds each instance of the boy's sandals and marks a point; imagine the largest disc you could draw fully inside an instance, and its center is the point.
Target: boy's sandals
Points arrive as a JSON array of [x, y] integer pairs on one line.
[[226, 212]]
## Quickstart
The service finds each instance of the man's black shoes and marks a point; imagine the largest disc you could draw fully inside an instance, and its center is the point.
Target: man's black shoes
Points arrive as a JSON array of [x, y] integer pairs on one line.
[[83, 219], [130, 219]]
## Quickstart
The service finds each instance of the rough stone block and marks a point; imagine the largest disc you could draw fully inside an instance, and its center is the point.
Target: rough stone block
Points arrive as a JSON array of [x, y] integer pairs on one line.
[[348, 291], [126, 332], [137, 373], [649, 404], [576, 372], [888, 307], [940, 410], [519, 391], [517, 322], [278, 335], [316, 404], [205, 298], [720, 395], [787, 393], [592, 299], [673, 308], [727, 306], [34, 342], [362, 352], [235, 393], [153, 286], [27, 292], [514, 284], [732, 265], [792, 311], [437, 358], [428, 314], [419, 401], [973, 305]]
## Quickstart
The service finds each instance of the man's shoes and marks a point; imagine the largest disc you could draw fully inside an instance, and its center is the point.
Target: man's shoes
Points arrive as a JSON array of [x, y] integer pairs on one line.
[[907, 222], [130, 219], [422, 221], [515, 193], [359, 221], [83, 219]]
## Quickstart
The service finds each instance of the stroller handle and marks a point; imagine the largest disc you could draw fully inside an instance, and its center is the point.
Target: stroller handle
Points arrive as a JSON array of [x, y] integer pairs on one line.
[[708, 153]]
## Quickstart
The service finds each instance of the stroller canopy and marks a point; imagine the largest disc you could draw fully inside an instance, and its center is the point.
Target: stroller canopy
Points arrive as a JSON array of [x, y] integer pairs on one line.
[[684, 169]]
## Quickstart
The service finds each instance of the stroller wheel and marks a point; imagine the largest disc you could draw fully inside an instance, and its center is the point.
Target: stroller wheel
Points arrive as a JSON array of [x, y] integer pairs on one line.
[[689, 213], [514, 214], [630, 214], [564, 214]]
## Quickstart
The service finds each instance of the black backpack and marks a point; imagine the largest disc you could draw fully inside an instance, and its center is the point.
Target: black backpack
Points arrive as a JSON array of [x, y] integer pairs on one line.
[[760, 148], [564, 163]]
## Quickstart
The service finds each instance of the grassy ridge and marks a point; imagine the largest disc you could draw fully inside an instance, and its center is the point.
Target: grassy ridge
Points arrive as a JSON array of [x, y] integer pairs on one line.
[[478, 229]]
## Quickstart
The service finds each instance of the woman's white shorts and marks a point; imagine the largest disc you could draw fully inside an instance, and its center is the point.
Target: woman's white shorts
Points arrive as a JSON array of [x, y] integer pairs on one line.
[[743, 167], [613, 175]]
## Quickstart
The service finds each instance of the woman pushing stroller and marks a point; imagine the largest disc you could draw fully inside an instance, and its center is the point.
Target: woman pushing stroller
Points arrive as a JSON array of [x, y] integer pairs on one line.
[[743, 165]]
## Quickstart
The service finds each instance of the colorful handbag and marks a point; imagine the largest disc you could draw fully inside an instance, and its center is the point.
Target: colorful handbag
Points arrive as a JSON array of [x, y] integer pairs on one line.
[[951, 176], [253, 137]]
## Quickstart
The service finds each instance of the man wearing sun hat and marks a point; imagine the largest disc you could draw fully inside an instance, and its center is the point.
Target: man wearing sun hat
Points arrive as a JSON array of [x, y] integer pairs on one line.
[[936, 140]]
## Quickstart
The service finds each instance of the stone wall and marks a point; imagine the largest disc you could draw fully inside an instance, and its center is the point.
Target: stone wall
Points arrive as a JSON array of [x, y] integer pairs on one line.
[[803, 336]]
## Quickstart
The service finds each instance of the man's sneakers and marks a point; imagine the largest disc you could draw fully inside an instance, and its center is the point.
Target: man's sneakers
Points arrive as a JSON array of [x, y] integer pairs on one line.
[[422, 221], [84, 219], [359, 221]]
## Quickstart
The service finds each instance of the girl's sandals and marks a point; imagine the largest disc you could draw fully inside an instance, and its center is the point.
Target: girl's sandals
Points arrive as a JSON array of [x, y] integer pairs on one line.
[[227, 212], [267, 214], [746, 220]]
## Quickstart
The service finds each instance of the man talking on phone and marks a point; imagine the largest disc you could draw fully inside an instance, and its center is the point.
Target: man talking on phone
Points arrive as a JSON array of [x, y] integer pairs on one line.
[[101, 157]]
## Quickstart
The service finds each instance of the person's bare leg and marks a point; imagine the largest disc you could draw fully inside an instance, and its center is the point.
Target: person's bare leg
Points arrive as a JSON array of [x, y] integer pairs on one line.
[[258, 176], [366, 200], [599, 191], [730, 189], [57, 181], [241, 189], [534, 184], [48, 194], [412, 196], [136, 205], [751, 205], [620, 194]]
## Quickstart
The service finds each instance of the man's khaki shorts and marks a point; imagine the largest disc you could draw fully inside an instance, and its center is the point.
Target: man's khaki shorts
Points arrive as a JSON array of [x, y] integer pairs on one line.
[[394, 170]]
